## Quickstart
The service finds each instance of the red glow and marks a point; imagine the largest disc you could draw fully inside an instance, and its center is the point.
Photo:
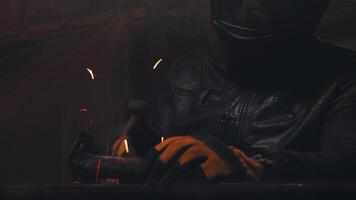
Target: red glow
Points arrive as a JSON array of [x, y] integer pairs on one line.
[[76, 182], [83, 110], [99, 165]]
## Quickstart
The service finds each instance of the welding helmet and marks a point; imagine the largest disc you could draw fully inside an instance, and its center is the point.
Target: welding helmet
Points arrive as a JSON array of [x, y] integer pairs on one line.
[[261, 19]]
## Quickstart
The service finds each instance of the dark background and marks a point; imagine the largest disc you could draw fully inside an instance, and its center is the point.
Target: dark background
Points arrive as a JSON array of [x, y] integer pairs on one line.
[[45, 46]]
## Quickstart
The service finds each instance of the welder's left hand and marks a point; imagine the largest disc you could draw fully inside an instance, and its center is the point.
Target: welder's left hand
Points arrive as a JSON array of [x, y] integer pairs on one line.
[[198, 159]]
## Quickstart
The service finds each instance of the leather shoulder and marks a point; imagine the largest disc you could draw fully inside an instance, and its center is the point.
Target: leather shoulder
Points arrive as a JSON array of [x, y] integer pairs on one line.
[[347, 79], [186, 71], [345, 85]]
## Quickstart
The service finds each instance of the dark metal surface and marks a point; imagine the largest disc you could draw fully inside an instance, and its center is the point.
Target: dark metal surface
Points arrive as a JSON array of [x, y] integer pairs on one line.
[[223, 191], [88, 166]]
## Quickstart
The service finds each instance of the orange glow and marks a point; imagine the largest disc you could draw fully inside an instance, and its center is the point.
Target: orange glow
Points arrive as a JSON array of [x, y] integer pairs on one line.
[[91, 72], [157, 63]]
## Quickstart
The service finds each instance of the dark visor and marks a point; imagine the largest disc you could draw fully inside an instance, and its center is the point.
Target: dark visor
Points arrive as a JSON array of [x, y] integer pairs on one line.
[[243, 13]]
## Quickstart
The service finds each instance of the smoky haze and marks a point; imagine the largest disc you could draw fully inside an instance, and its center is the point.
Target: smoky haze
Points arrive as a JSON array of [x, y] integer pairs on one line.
[[46, 46]]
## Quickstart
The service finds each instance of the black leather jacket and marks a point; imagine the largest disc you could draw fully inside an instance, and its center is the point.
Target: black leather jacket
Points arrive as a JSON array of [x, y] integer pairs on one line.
[[308, 128]]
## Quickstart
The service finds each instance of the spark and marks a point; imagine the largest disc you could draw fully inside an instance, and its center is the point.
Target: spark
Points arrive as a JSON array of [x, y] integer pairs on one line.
[[91, 72], [126, 146], [83, 110], [162, 139], [157, 63]]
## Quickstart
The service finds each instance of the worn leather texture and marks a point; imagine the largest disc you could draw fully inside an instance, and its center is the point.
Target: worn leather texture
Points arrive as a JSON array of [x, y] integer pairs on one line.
[[309, 119]]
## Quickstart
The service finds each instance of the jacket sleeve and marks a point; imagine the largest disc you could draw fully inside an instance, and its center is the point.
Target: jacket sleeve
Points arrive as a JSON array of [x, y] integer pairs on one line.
[[336, 155]]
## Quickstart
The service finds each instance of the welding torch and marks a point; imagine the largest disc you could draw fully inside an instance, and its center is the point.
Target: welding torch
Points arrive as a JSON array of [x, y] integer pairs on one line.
[[88, 167], [88, 164]]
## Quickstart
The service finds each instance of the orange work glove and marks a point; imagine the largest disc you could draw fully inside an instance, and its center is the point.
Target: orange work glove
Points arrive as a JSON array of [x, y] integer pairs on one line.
[[198, 158]]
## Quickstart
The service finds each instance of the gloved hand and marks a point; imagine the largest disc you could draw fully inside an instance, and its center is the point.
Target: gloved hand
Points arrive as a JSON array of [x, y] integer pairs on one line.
[[198, 159]]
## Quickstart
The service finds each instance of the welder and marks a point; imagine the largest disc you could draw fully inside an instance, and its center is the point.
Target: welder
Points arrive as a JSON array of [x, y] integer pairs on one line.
[[267, 101]]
